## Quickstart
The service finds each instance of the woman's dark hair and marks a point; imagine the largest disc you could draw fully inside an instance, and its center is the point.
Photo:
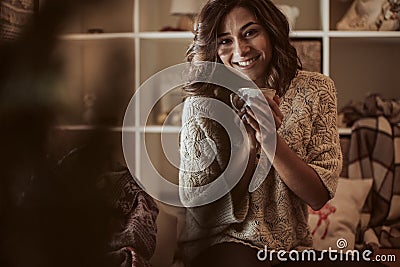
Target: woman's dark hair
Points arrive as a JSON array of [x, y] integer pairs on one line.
[[284, 63]]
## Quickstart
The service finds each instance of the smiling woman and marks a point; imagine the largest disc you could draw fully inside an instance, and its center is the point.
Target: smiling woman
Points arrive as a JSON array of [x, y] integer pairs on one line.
[[252, 38], [244, 45], [264, 17]]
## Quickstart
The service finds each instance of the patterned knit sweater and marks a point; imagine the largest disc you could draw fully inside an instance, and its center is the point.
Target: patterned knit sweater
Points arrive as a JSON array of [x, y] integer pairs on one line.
[[272, 215]]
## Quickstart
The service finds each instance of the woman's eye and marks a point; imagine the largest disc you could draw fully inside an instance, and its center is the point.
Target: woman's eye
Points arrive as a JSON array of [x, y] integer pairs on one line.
[[250, 33], [224, 41]]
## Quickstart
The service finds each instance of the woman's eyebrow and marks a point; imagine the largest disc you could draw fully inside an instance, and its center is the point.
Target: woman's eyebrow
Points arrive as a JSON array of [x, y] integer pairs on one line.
[[241, 28], [247, 25]]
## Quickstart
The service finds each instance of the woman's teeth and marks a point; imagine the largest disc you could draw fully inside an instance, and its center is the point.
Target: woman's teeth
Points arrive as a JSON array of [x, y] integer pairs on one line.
[[246, 63]]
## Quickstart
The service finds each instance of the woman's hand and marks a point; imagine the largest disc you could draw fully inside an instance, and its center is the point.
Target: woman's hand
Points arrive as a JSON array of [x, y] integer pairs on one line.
[[302, 179], [276, 111], [258, 107], [238, 105], [261, 118]]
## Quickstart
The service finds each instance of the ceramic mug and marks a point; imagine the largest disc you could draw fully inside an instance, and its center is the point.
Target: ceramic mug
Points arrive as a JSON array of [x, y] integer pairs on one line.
[[252, 92]]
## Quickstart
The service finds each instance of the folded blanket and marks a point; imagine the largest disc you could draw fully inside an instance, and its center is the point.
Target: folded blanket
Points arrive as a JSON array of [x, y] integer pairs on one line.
[[373, 106], [128, 212]]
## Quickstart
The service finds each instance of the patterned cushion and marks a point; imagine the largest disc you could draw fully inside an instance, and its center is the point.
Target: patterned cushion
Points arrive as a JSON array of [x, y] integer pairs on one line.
[[336, 223]]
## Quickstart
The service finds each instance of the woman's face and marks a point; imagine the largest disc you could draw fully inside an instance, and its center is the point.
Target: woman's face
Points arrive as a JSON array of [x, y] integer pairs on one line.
[[245, 45]]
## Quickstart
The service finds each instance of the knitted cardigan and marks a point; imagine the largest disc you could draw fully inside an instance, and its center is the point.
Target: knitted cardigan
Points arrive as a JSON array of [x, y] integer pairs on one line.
[[272, 215]]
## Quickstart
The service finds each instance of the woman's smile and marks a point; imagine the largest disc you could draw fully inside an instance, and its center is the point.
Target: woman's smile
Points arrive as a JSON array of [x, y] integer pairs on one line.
[[245, 45], [247, 63]]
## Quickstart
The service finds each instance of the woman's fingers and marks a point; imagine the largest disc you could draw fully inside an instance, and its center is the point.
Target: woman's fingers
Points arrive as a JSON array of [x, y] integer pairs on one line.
[[260, 112], [256, 115], [236, 102], [260, 108], [277, 99], [252, 136], [276, 111], [254, 125]]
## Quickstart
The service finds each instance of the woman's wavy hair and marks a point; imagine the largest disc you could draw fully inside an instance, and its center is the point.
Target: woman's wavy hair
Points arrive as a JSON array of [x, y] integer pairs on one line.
[[284, 63]]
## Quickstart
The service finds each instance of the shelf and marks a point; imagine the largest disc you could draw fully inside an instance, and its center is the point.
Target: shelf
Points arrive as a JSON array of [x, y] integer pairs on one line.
[[162, 35], [147, 129], [360, 34], [344, 131], [96, 36], [307, 34], [166, 35], [161, 129], [189, 35], [177, 129], [86, 127], [126, 35]]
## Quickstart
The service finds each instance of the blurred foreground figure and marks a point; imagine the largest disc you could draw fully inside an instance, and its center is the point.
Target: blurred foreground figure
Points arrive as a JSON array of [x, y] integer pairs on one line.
[[78, 210]]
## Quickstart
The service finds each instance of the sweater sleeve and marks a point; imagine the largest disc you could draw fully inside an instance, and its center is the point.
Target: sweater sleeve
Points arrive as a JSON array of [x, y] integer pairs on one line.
[[205, 153], [324, 150]]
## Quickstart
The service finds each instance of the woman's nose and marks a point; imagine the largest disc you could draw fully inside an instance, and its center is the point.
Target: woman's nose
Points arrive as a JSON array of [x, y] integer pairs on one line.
[[241, 48]]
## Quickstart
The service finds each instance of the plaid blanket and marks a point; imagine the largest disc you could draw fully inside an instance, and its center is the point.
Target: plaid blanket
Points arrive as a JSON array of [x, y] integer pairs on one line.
[[375, 153]]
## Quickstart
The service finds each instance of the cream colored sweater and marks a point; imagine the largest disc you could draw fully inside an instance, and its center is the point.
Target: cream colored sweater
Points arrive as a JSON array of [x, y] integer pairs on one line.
[[272, 215]]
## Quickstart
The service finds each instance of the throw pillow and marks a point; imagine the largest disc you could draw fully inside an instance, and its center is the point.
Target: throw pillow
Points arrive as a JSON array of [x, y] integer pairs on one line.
[[334, 225]]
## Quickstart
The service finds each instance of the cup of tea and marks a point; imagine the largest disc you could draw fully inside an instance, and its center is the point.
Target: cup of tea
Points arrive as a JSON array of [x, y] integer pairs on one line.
[[247, 93], [254, 92], [269, 92]]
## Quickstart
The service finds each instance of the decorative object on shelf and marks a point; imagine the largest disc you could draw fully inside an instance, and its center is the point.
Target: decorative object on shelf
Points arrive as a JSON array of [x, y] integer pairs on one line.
[[89, 100], [170, 108], [310, 53], [95, 30], [291, 13], [371, 15], [170, 118], [186, 10], [374, 105], [390, 16]]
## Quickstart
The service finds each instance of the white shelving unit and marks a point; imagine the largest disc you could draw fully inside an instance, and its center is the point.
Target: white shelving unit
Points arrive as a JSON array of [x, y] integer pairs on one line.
[[358, 62]]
